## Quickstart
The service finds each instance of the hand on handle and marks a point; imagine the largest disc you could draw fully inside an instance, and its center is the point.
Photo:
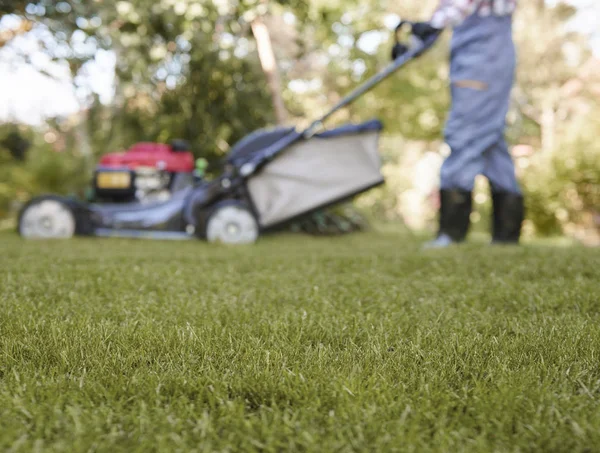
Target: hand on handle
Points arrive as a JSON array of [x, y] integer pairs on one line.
[[424, 30], [421, 31]]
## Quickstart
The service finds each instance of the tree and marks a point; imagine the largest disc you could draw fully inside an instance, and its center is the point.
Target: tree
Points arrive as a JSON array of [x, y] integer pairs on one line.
[[162, 50]]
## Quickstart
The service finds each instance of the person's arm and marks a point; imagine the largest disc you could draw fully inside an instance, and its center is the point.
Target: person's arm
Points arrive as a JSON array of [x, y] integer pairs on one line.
[[452, 13]]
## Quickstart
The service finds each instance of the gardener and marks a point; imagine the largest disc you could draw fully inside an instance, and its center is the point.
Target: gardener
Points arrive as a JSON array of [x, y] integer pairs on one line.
[[482, 72]]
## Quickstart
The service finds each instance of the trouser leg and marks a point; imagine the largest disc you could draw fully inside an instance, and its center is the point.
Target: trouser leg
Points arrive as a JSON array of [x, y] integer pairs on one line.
[[500, 169], [469, 134]]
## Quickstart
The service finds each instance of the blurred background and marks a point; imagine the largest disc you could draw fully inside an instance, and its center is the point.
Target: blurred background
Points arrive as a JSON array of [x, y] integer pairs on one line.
[[81, 78]]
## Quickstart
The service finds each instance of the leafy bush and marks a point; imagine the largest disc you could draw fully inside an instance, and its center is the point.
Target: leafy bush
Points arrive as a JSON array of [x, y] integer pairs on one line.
[[43, 171], [563, 191]]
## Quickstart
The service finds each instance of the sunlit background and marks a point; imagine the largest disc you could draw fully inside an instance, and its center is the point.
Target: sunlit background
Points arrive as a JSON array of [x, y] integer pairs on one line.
[[79, 79]]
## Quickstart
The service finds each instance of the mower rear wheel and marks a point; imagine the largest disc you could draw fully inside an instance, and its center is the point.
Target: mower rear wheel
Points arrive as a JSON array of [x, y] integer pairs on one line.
[[232, 223], [47, 218]]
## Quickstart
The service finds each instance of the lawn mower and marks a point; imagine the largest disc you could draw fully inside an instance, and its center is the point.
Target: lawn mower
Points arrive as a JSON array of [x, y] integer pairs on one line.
[[270, 178]]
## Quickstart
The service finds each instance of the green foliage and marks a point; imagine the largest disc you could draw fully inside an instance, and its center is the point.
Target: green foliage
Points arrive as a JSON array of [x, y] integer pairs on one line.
[[177, 75], [212, 109], [415, 101], [362, 343], [563, 189], [43, 171]]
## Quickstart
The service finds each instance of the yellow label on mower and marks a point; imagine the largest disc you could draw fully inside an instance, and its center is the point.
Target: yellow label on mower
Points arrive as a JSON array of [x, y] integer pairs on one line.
[[113, 180]]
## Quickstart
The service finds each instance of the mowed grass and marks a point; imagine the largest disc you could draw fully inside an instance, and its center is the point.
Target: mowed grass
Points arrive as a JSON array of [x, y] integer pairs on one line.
[[360, 343]]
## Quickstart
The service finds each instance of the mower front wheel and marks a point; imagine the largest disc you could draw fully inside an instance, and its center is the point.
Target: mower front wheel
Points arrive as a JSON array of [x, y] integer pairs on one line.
[[232, 223], [47, 217]]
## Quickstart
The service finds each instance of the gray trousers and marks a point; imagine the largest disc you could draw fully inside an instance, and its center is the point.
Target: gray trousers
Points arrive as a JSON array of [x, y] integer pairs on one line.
[[482, 75]]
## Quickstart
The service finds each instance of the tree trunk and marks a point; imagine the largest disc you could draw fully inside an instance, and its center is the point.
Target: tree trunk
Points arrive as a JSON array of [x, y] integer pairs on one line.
[[82, 136], [269, 66]]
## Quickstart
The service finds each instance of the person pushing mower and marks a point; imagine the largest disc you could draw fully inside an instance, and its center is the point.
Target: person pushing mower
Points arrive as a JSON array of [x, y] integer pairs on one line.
[[482, 67]]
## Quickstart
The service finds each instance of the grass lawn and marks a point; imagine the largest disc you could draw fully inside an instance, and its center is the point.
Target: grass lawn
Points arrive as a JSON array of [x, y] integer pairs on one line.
[[360, 343]]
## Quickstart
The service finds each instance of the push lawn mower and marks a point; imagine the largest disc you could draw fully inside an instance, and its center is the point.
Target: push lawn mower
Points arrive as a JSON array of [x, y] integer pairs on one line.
[[270, 178]]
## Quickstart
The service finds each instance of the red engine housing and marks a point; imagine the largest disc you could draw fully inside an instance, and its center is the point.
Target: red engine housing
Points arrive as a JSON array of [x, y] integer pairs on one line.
[[155, 155]]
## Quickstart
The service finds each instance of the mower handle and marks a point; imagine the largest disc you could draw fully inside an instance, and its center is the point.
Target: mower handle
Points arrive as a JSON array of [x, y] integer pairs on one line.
[[253, 164], [412, 53]]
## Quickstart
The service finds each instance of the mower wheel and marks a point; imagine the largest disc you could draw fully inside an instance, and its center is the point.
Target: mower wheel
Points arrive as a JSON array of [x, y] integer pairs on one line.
[[47, 217], [232, 223]]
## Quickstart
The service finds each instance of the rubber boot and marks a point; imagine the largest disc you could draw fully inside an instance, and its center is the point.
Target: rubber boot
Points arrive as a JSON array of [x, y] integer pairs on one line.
[[455, 216], [508, 215]]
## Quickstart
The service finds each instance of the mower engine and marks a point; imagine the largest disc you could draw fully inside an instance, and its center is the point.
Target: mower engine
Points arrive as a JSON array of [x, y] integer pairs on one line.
[[146, 172]]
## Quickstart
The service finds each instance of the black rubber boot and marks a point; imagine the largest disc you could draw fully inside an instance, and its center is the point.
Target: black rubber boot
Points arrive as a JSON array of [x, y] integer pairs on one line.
[[508, 215], [455, 218]]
